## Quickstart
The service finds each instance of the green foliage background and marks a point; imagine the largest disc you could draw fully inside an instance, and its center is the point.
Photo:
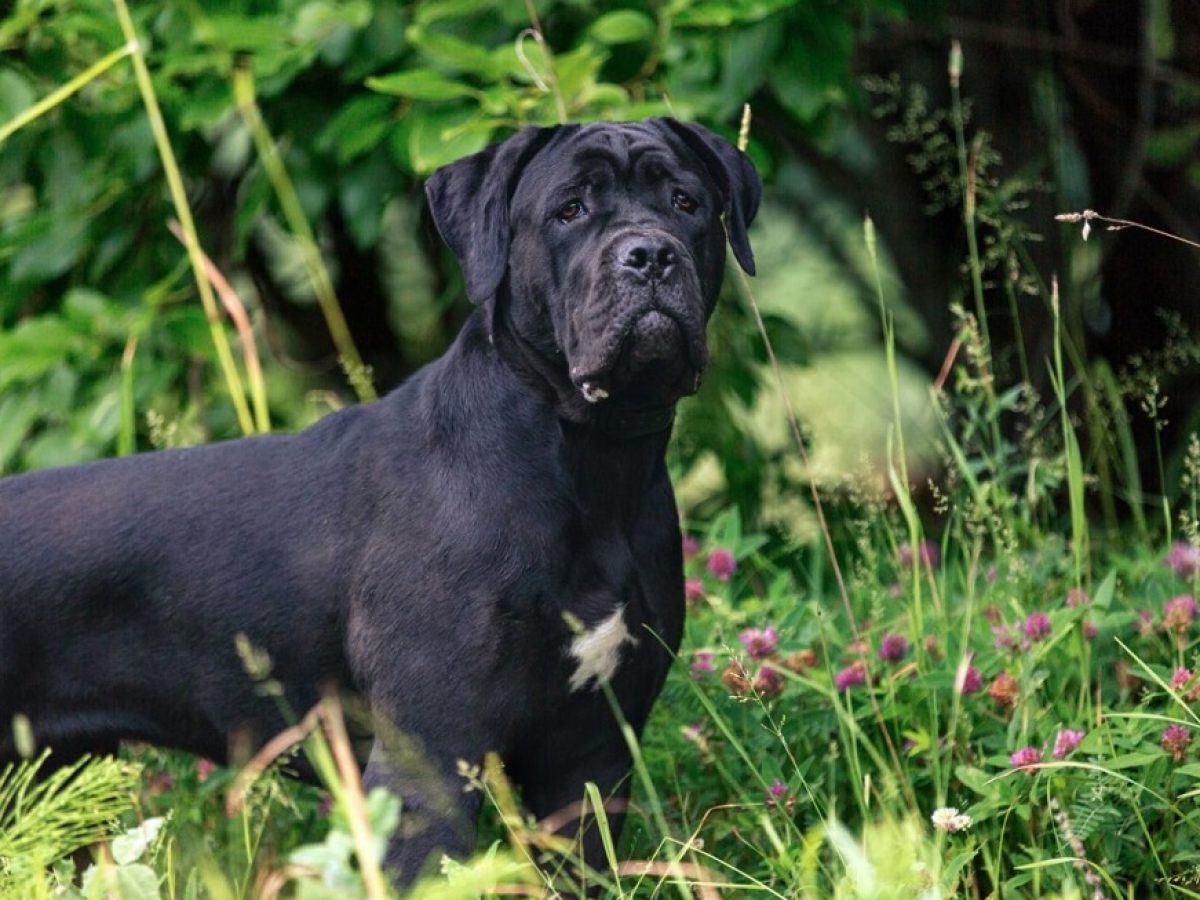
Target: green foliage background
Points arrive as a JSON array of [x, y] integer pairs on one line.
[[364, 99]]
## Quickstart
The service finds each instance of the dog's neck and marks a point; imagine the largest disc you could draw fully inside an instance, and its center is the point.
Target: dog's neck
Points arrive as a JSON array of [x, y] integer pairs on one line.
[[611, 418]]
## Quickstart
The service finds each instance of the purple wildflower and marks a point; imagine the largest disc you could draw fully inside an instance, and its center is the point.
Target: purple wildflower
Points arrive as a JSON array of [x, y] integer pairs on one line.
[[768, 682], [693, 590], [1002, 638], [1175, 740], [893, 648], [702, 664], [1090, 630], [1077, 597], [721, 564], [776, 790], [1183, 559], [1180, 678], [1179, 613], [1025, 758], [851, 676], [760, 642], [1037, 626], [972, 682], [1066, 741], [691, 546]]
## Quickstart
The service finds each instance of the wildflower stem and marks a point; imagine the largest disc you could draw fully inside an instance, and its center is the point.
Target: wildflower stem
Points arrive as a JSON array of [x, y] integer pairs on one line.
[[212, 314], [968, 168], [297, 222]]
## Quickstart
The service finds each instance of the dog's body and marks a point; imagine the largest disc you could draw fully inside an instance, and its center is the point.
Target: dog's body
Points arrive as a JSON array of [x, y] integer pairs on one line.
[[475, 554]]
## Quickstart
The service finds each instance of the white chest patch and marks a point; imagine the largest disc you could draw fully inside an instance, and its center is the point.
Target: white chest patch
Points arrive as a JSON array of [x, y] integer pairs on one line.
[[598, 651]]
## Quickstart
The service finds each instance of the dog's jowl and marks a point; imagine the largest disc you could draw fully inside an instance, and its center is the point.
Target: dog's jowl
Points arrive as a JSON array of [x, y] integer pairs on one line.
[[475, 555]]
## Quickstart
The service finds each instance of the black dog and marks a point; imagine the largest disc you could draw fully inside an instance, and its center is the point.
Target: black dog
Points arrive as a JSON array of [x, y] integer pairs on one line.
[[475, 554]]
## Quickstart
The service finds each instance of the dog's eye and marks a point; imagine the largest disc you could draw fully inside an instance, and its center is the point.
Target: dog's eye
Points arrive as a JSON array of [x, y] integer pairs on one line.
[[683, 202], [569, 212]]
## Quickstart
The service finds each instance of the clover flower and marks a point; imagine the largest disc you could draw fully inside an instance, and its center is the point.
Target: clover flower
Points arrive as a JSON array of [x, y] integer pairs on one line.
[[721, 564], [1183, 559], [893, 648], [776, 790], [1077, 597], [768, 682], [1066, 741], [1179, 613], [693, 591], [702, 664], [1002, 638], [691, 546], [1025, 758], [1175, 740], [800, 661], [1004, 690], [1037, 626], [853, 675], [950, 820], [760, 642], [971, 683], [1180, 678], [736, 678]]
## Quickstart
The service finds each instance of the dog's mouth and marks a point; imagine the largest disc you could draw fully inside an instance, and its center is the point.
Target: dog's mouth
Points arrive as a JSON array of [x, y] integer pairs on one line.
[[653, 350]]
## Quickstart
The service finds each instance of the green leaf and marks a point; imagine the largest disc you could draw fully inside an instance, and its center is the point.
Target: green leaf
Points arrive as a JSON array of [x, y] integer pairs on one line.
[[442, 137], [358, 127], [1104, 593], [1132, 760], [421, 84], [137, 882], [18, 411], [129, 847], [625, 26], [975, 780], [455, 53]]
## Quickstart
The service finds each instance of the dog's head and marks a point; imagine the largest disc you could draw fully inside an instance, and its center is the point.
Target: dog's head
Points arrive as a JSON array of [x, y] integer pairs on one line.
[[603, 245]]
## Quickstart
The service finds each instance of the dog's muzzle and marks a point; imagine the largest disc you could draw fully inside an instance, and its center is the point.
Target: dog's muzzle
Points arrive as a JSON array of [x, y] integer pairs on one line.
[[650, 314]]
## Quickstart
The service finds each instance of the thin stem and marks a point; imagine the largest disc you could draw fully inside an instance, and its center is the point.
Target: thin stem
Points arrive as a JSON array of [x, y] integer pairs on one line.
[[212, 313], [1090, 215], [289, 203], [58, 95]]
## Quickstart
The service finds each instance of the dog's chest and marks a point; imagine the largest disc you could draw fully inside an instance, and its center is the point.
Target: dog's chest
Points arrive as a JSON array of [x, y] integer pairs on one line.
[[596, 652]]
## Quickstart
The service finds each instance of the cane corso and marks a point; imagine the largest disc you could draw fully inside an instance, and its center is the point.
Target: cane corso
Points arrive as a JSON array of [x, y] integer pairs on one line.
[[475, 555]]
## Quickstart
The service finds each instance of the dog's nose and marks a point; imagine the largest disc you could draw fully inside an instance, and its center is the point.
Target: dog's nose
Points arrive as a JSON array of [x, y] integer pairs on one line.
[[650, 259]]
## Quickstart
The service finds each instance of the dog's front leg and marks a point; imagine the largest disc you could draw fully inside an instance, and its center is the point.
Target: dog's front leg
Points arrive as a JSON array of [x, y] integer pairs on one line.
[[436, 816], [553, 781]]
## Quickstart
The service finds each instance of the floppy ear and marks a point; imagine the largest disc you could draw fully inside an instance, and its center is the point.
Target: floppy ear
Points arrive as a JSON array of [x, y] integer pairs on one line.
[[735, 175], [469, 201]]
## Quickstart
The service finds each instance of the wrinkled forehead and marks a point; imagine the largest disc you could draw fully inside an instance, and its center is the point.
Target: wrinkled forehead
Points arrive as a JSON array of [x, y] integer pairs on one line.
[[632, 152]]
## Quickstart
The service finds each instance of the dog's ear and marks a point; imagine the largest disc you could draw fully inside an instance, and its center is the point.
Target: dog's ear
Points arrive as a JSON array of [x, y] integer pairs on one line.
[[469, 200], [733, 172]]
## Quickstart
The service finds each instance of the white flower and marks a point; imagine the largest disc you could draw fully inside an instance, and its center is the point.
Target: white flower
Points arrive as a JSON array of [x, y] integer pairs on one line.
[[948, 818]]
